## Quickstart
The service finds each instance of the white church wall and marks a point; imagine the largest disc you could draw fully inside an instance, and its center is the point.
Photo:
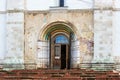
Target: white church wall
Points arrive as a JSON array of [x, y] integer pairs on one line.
[[116, 32], [103, 35], [103, 4], [116, 36], [2, 29], [2, 5], [2, 35], [116, 4], [79, 4], [15, 17], [39, 4], [14, 40], [15, 4], [46, 4]]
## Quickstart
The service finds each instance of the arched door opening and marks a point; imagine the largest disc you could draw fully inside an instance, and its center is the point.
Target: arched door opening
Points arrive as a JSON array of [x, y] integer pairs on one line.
[[60, 43], [59, 51], [57, 47]]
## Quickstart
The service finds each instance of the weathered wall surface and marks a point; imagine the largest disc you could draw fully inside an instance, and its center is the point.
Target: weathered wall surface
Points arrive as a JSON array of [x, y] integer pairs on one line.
[[103, 4], [2, 35], [106, 31], [2, 5], [15, 38], [51, 4], [116, 32], [2, 30], [14, 34], [15, 4], [36, 21], [116, 4], [103, 35]]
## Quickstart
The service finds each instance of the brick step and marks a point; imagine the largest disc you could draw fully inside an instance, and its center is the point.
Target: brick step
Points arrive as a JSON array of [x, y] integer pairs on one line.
[[59, 75], [62, 78], [28, 73]]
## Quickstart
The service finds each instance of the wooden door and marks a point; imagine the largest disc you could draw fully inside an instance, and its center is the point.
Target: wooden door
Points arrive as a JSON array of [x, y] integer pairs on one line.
[[59, 50], [57, 56]]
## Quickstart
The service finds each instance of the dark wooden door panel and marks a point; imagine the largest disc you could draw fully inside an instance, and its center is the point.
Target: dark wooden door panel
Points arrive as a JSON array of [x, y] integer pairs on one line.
[[57, 56]]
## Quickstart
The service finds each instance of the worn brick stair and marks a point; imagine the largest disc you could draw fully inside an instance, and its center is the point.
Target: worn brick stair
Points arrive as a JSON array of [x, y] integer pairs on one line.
[[73, 74]]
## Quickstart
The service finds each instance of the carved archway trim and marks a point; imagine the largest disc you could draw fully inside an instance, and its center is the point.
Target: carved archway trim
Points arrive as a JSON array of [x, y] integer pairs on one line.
[[67, 26]]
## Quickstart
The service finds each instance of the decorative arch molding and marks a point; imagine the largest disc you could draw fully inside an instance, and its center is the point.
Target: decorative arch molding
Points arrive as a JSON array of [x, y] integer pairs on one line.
[[46, 43], [56, 26], [61, 32]]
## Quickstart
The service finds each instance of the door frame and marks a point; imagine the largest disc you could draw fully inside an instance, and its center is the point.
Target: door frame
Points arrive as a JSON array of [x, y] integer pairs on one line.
[[52, 52]]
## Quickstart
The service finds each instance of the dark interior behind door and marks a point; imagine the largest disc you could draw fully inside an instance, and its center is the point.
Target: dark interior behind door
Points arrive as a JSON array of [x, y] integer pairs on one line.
[[63, 56]]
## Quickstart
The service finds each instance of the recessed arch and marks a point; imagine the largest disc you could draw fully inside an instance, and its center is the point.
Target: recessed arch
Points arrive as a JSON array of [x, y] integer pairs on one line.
[[56, 26], [47, 36], [54, 33]]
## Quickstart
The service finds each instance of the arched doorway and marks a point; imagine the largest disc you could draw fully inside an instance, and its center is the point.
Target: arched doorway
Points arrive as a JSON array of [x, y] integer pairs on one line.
[[60, 52], [58, 46], [60, 41]]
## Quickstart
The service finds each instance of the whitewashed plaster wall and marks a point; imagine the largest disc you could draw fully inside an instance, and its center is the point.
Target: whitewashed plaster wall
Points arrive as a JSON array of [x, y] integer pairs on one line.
[[14, 33], [2, 29], [116, 31], [2, 5], [107, 30], [2, 35], [103, 3], [39, 4], [15, 38], [116, 4], [103, 37], [79, 4], [116, 35], [46, 4], [15, 4]]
